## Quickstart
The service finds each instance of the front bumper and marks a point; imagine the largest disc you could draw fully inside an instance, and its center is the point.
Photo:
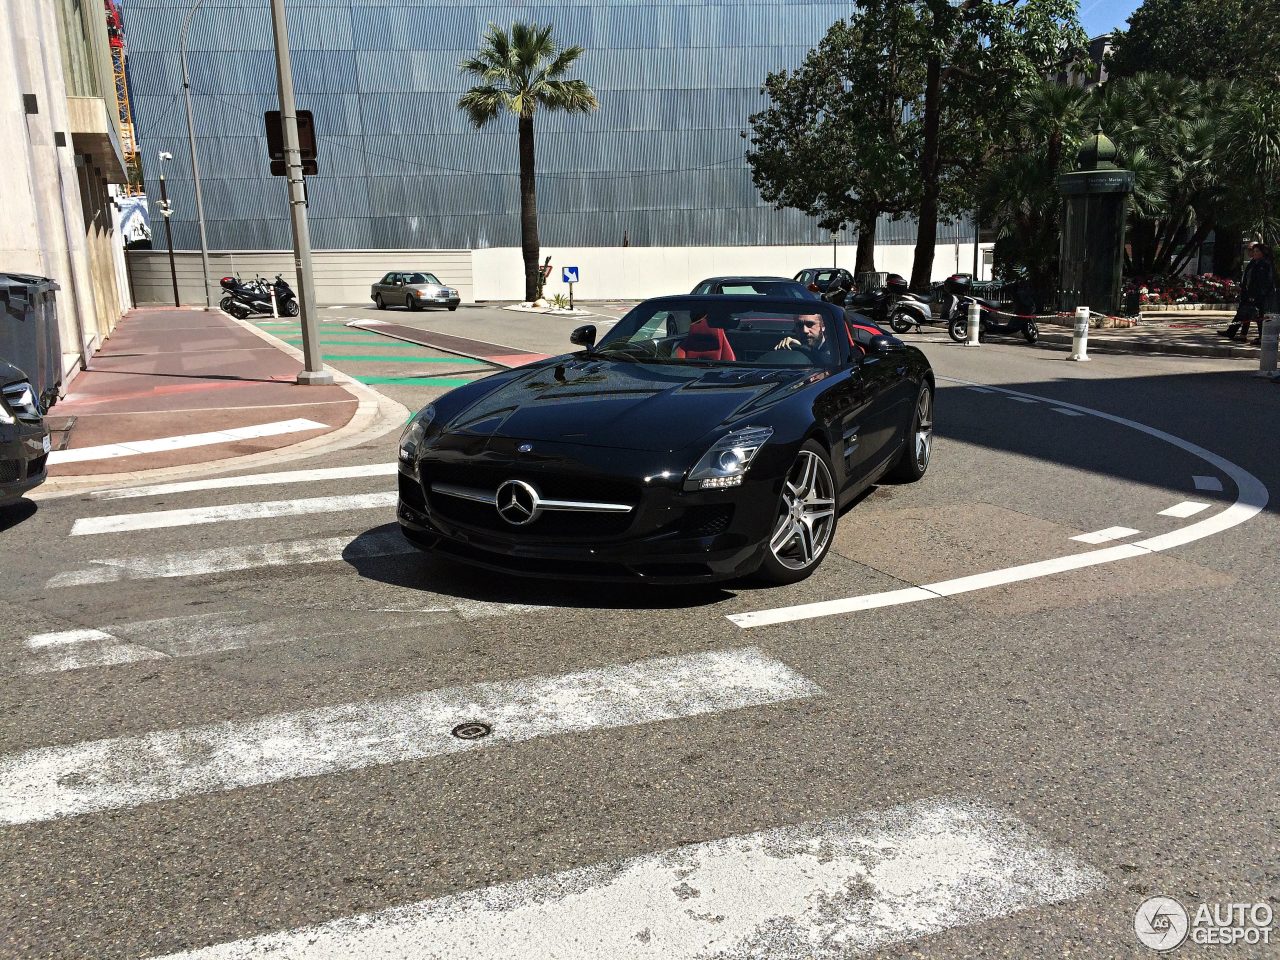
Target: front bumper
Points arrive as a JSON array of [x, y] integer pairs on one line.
[[670, 536], [23, 458], [439, 300]]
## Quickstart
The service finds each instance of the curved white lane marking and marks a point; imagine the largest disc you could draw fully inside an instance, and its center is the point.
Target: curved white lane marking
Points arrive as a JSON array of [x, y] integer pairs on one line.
[[1251, 498]]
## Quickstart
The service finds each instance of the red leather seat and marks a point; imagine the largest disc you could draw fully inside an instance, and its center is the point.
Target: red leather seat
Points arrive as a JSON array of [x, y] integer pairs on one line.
[[705, 342]]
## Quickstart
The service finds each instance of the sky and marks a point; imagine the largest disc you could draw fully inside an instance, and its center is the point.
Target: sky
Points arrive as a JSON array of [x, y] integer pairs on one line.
[[1101, 16]]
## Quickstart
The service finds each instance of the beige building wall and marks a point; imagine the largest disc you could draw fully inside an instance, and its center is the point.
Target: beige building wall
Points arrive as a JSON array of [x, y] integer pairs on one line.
[[59, 148]]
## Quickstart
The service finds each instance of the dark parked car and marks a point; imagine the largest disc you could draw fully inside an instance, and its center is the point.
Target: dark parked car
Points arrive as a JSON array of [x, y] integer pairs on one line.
[[24, 441], [823, 278], [703, 438], [413, 289], [753, 287]]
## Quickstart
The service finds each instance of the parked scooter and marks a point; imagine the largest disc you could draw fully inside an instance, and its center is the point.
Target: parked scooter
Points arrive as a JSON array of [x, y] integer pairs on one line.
[[955, 313], [893, 305], [244, 300]]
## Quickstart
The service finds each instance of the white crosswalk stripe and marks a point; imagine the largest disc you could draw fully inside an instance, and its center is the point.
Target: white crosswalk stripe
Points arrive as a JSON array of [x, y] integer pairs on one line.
[[158, 519], [54, 782], [193, 563], [832, 888], [251, 480]]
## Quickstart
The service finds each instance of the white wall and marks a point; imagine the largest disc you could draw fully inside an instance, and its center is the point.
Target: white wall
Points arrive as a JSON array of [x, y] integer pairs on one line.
[[626, 273]]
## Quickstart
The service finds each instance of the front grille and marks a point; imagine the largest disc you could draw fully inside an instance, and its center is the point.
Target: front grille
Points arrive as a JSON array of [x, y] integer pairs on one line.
[[552, 523], [9, 470], [552, 486]]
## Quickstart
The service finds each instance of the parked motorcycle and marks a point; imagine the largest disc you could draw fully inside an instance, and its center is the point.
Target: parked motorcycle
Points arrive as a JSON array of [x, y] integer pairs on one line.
[[893, 305], [955, 313], [244, 300]]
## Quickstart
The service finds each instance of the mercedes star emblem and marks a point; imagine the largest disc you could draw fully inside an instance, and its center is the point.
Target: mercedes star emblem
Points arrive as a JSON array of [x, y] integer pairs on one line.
[[525, 447], [518, 503]]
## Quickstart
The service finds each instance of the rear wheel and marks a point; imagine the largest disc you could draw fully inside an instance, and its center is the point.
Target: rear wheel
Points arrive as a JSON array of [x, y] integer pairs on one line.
[[901, 321], [958, 329], [291, 308], [806, 519], [918, 449], [225, 304], [1031, 331]]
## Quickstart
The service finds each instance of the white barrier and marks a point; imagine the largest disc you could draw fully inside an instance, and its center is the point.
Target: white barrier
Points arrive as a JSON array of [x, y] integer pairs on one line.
[[1270, 345], [1080, 336], [975, 326]]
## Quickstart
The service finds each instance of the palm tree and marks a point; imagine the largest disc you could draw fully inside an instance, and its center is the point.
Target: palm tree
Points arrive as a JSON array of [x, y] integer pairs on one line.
[[523, 72]]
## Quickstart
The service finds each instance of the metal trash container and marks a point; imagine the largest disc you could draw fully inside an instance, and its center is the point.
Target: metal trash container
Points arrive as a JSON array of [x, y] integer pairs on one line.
[[29, 336]]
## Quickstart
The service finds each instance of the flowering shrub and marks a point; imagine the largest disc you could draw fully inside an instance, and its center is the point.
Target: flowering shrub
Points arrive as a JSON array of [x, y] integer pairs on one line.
[[1206, 288]]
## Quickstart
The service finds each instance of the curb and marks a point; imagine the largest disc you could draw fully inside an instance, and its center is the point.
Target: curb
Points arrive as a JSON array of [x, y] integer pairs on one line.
[[375, 416], [1122, 346]]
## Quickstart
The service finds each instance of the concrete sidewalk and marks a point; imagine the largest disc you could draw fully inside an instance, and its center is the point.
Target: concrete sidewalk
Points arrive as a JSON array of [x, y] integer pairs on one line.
[[1192, 337], [176, 388]]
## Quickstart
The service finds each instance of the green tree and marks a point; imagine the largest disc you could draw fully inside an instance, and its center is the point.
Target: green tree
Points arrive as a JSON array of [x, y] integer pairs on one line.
[[522, 72], [979, 56], [839, 137], [1200, 40]]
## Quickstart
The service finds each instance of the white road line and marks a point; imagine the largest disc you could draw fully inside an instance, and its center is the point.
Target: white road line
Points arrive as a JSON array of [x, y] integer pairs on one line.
[[191, 636], [1187, 508], [64, 781], [162, 444], [1252, 498], [1107, 535], [981, 390], [829, 888], [1208, 484], [225, 559], [1067, 413], [251, 480], [193, 516], [1024, 399]]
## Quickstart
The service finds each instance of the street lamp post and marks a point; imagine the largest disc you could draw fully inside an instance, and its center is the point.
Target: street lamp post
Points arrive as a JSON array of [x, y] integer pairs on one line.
[[166, 210], [313, 370], [195, 165]]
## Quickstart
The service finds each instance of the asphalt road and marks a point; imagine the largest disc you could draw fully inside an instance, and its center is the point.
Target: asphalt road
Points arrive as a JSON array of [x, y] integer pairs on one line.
[[217, 725]]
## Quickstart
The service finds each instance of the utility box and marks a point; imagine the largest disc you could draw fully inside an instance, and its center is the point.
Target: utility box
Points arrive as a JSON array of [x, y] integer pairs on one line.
[[1095, 199], [29, 337]]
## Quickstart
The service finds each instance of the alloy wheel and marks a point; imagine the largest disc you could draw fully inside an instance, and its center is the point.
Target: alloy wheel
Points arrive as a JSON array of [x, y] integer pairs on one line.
[[806, 513], [924, 429]]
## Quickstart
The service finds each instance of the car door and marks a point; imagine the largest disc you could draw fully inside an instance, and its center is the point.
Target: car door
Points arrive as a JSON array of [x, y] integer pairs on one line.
[[383, 287], [878, 426]]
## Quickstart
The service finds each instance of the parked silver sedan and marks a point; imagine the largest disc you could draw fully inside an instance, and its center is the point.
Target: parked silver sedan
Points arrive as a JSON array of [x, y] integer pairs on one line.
[[413, 289]]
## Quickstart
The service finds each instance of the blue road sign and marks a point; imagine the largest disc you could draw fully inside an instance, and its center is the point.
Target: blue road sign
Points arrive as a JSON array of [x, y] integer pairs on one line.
[[569, 274]]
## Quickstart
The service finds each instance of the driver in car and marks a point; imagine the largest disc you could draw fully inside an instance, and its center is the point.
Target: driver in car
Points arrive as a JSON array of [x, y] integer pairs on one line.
[[810, 336]]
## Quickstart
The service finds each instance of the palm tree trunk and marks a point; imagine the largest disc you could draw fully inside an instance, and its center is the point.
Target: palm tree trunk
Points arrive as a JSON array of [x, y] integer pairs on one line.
[[927, 222], [528, 210], [866, 258]]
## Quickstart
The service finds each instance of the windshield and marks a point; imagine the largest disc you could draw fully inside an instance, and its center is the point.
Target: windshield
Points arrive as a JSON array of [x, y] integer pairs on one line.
[[730, 332], [764, 288], [423, 278]]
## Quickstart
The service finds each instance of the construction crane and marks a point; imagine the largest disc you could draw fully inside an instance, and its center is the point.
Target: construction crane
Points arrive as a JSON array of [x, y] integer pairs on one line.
[[119, 56]]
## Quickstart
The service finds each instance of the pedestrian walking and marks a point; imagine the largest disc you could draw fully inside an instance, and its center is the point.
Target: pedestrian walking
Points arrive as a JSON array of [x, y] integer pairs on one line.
[[1257, 292]]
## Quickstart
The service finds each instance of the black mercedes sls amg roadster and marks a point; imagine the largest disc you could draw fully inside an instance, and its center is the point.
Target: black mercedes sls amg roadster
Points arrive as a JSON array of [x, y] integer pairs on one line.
[[703, 438]]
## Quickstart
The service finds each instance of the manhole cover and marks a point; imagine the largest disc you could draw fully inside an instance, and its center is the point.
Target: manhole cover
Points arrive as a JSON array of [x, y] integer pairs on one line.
[[472, 730]]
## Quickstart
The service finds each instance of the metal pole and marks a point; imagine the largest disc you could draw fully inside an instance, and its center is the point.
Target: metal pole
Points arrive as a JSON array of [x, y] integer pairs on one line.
[[976, 237], [1080, 336], [313, 370], [195, 164], [168, 234]]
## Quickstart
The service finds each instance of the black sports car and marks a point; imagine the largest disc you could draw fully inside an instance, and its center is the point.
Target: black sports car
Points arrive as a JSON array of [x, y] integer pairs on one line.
[[702, 438]]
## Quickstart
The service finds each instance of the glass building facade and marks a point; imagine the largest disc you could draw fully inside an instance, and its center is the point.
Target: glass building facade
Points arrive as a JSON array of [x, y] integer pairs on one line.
[[661, 163]]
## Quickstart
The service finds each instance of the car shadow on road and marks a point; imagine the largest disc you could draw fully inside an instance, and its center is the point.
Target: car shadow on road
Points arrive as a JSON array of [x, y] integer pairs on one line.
[[449, 577], [12, 514]]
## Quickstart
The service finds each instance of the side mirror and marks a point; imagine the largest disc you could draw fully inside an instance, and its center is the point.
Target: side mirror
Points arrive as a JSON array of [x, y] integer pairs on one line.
[[882, 345], [584, 336]]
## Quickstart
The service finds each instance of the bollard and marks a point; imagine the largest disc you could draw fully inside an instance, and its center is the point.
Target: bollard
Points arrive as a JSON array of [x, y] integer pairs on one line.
[[975, 326], [275, 314], [1080, 336], [1270, 345]]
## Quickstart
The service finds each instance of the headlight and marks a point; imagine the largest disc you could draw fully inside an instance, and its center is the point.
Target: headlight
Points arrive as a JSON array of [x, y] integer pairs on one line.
[[415, 433], [729, 458]]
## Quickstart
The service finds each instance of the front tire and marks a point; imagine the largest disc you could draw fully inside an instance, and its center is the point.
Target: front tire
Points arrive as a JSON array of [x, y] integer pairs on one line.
[[409, 303], [806, 520], [918, 449], [902, 321], [378, 302], [1031, 332]]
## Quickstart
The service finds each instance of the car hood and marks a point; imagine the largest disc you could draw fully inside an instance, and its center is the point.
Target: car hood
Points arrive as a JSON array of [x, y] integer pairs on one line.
[[634, 406]]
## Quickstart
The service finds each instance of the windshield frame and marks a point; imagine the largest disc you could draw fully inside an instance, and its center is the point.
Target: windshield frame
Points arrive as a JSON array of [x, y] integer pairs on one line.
[[723, 305]]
